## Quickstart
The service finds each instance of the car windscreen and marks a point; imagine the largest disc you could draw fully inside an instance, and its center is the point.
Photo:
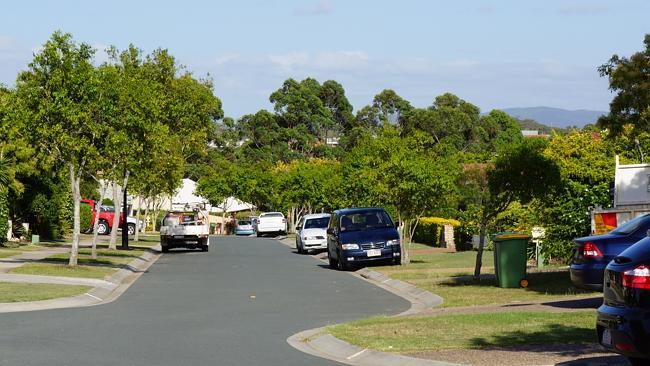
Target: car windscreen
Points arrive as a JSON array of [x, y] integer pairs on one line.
[[630, 226], [319, 223], [272, 214], [365, 220]]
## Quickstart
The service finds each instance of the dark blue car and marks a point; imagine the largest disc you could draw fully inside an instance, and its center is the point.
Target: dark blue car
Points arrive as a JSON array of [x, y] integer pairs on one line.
[[360, 235], [593, 253], [623, 323]]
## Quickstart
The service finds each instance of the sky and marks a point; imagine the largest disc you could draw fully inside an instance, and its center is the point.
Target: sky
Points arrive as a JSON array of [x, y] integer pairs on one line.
[[494, 54]]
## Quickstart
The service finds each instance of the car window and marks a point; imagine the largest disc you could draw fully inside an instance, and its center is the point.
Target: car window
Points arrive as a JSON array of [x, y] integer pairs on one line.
[[243, 222], [365, 220], [272, 214], [319, 223], [630, 226], [105, 208]]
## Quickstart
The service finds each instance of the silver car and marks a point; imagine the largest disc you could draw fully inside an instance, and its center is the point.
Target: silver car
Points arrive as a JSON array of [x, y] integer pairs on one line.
[[311, 232]]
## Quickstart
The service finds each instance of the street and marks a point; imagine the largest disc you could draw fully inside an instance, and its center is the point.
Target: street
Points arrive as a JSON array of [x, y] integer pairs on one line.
[[234, 305]]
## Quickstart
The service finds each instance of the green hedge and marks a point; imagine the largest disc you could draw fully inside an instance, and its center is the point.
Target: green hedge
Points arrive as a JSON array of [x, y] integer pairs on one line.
[[86, 218]]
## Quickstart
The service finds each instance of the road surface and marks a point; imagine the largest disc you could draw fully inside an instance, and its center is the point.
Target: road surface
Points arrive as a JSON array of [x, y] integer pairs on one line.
[[235, 305]]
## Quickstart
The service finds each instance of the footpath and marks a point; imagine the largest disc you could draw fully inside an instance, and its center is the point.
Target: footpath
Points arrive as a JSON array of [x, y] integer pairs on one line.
[[319, 342], [102, 290]]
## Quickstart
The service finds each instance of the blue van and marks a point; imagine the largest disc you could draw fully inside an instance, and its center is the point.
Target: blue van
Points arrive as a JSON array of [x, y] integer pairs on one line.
[[361, 235]]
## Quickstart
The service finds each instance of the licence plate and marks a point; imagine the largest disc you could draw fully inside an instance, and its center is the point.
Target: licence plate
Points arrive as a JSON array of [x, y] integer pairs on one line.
[[374, 252], [607, 337]]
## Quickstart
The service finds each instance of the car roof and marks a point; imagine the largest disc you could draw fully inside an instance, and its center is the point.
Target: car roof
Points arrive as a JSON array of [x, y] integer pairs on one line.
[[316, 216], [353, 210]]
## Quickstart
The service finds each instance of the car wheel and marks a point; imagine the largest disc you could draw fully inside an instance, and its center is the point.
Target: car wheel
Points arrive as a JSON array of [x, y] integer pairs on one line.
[[102, 228], [131, 229], [332, 262], [259, 235], [165, 248], [397, 261], [299, 248], [205, 248], [341, 265]]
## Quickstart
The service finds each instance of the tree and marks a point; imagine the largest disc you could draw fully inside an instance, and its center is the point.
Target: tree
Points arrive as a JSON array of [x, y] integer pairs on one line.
[[402, 175], [629, 78], [57, 95], [520, 173], [5, 178], [390, 106]]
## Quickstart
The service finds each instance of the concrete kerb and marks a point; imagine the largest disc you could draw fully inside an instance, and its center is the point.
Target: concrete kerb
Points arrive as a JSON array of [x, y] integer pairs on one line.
[[102, 293], [318, 342]]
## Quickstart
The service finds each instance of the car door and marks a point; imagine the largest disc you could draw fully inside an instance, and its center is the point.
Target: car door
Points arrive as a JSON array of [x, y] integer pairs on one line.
[[332, 236], [299, 231]]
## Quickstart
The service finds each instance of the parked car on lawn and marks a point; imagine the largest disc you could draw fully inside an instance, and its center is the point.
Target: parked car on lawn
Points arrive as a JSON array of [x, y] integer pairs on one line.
[[244, 227], [623, 323], [311, 232], [271, 223], [106, 215], [185, 229], [593, 253], [359, 235]]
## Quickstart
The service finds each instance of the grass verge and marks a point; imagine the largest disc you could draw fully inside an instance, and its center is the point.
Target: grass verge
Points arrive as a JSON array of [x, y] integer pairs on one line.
[[55, 269], [19, 292], [418, 334]]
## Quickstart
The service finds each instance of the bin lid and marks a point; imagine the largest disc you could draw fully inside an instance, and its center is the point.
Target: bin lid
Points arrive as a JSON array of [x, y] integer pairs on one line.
[[508, 236]]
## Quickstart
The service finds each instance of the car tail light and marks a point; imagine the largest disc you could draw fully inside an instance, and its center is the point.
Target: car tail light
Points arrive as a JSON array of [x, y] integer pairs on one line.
[[591, 251], [637, 278]]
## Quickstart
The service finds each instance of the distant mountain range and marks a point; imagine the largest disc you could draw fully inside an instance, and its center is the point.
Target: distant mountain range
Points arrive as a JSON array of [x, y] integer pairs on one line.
[[556, 117]]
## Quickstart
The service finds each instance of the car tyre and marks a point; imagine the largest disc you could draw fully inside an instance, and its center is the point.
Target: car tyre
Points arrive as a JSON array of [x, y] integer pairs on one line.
[[299, 248], [397, 261], [332, 262], [341, 265], [205, 247], [131, 229], [259, 235], [165, 248], [103, 228]]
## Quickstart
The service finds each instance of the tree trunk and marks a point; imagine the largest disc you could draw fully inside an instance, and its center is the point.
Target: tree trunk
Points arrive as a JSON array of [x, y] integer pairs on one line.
[[116, 217], [223, 219], [405, 244], [146, 214], [137, 221], [98, 205], [76, 227], [481, 245]]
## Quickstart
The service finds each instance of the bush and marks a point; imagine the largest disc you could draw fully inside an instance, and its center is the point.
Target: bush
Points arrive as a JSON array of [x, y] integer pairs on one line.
[[430, 229]]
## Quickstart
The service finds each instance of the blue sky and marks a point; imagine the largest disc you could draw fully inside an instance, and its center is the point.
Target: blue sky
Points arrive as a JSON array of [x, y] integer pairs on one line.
[[495, 54]]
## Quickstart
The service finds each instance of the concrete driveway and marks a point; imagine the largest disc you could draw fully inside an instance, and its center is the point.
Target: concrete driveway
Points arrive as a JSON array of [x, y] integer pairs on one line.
[[235, 305]]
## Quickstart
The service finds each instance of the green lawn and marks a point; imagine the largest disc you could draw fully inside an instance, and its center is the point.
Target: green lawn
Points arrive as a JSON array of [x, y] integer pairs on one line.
[[11, 251], [416, 334], [449, 275], [55, 269], [17, 292], [104, 256]]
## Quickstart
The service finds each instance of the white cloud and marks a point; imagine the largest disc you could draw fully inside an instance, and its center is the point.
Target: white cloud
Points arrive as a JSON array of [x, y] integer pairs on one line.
[[321, 7], [244, 82]]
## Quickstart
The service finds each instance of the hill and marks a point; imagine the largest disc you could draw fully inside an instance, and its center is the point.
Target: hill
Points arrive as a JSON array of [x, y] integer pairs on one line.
[[556, 117]]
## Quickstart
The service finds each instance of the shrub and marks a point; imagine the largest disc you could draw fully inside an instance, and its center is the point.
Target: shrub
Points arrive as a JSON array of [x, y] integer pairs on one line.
[[85, 217], [4, 214]]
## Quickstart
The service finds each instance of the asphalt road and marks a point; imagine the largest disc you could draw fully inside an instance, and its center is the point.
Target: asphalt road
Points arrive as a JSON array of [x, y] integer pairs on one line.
[[235, 305]]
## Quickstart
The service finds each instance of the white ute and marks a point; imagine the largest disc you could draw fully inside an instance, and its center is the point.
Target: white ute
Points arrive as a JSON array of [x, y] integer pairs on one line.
[[271, 222], [185, 229]]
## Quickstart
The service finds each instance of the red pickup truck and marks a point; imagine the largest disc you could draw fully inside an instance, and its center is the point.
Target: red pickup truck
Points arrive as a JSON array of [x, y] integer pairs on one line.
[[106, 214]]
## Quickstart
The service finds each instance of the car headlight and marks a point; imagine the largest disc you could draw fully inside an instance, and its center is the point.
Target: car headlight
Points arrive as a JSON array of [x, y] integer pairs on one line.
[[393, 242], [349, 246]]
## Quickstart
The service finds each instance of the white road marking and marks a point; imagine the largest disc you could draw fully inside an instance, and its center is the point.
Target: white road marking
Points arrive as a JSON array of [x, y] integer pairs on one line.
[[94, 297], [357, 354]]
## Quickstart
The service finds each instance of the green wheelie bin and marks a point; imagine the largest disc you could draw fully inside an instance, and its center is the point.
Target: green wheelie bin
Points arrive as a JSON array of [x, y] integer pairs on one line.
[[510, 259]]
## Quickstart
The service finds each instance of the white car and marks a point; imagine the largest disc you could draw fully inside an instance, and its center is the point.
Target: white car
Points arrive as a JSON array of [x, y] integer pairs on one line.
[[311, 232], [185, 229], [271, 222]]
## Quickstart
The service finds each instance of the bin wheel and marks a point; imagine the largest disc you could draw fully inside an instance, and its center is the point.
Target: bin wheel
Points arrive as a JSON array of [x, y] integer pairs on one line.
[[523, 283]]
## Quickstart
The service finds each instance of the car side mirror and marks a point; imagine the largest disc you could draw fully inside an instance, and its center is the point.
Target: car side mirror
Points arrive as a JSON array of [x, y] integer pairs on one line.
[[297, 228], [331, 231]]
